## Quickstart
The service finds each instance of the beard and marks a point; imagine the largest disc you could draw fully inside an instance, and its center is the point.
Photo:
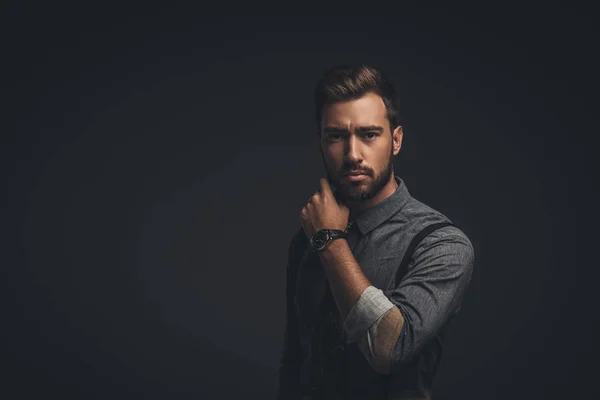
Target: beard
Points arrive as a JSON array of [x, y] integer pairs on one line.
[[356, 191]]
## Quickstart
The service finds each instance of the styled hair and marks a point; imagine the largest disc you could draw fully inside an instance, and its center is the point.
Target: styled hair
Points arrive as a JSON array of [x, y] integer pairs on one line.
[[351, 82]]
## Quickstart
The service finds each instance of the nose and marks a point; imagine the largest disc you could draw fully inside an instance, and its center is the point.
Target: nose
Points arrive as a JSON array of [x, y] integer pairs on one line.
[[353, 155]]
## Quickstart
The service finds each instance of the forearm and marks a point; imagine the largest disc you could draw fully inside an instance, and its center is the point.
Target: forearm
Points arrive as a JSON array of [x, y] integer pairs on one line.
[[345, 276], [369, 317]]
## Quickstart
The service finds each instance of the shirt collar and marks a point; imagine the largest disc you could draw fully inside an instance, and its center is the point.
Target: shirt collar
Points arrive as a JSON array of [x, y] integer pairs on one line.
[[372, 217]]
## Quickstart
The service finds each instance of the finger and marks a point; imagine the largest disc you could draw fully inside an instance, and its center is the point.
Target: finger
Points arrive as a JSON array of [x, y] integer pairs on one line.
[[325, 188], [303, 213]]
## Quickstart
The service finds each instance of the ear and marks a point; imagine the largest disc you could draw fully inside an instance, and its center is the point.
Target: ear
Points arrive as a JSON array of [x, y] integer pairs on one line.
[[397, 139]]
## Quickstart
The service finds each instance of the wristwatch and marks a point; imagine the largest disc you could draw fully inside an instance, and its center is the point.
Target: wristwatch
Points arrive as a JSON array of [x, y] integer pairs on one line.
[[320, 238]]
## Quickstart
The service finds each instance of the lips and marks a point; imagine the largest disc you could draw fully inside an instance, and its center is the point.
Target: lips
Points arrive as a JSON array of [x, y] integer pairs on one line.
[[355, 177], [355, 173]]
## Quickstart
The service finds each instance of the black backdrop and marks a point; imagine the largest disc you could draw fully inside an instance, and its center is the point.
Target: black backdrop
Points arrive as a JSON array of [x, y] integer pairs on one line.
[[156, 161]]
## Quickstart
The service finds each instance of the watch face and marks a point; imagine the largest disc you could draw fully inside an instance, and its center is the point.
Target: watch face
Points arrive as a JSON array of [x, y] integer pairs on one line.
[[318, 240]]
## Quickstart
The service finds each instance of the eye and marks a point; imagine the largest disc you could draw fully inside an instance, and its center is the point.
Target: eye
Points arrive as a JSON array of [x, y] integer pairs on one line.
[[371, 135]]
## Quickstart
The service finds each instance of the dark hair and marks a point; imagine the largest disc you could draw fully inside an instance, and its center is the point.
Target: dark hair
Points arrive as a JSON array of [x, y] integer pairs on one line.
[[350, 82]]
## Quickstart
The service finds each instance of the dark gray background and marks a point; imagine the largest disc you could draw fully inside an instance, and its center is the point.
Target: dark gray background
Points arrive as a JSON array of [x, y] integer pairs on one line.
[[156, 161]]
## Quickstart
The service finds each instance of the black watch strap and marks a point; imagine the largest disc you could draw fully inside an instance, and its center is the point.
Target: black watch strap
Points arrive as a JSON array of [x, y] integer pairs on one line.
[[322, 237]]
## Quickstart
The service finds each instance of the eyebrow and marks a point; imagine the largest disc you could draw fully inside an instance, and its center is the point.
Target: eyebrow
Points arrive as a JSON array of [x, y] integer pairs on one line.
[[368, 128]]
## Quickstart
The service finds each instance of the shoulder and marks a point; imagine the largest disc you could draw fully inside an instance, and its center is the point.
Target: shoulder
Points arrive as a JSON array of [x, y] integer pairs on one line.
[[451, 238]]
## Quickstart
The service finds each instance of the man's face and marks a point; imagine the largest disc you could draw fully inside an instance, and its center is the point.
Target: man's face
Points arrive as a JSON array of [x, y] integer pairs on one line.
[[356, 137]]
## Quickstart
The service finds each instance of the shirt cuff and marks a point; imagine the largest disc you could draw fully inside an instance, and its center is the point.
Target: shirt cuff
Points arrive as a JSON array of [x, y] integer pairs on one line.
[[371, 305]]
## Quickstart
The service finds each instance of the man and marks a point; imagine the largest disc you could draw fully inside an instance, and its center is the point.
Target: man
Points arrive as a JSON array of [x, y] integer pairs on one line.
[[373, 275]]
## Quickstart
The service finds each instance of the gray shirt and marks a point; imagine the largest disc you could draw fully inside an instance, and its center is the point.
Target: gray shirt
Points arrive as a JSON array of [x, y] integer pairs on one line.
[[393, 333]]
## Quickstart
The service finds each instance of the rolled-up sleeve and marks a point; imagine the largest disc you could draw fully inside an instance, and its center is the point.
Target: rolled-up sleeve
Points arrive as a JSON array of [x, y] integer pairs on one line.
[[374, 324], [427, 296], [368, 309]]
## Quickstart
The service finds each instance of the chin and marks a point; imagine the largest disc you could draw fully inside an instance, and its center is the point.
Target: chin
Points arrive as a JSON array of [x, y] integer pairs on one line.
[[356, 191]]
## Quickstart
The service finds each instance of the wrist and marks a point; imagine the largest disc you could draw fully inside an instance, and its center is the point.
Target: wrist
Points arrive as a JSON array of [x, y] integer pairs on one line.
[[334, 246], [322, 238]]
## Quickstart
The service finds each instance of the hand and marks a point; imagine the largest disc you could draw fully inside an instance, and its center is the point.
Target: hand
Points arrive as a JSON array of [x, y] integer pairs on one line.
[[323, 211]]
